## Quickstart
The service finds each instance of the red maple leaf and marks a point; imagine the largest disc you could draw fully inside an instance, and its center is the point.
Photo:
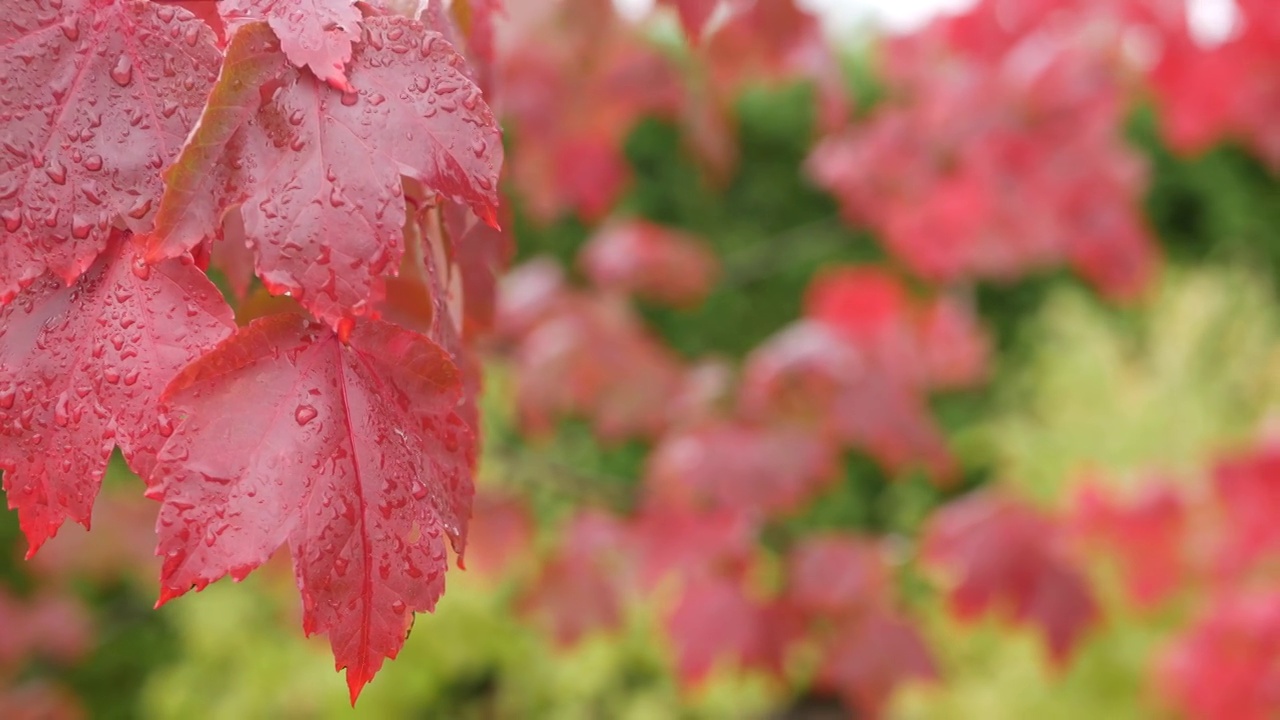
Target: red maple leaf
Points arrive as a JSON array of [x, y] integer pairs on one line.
[[809, 374], [1008, 556], [50, 625], [351, 452], [866, 659], [315, 34], [1023, 168], [82, 369], [1226, 666], [581, 587], [500, 535], [482, 253], [317, 172], [649, 261], [1247, 487], [763, 470], [1231, 90], [575, 100], [694, 14], [1147, 534], [594, 358], [861, 367], [97, 98], [716, 620], [837, 576], [678, 544]]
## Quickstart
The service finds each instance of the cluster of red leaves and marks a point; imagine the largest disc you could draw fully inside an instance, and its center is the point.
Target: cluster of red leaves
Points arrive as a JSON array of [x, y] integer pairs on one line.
[[705, 570], [1206, 548], [1009, 557], [328, 145], [1226, 91], [859, 368], [571, 103], [728, 457], [999, 149]]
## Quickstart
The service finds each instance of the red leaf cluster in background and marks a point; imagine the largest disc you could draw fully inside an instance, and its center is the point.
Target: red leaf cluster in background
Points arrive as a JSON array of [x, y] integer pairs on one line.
[[705, 568], [999, 150], [1228, 90], [1204, 545], [1010, 557], [858, 370], [571, 102], [329, 143]]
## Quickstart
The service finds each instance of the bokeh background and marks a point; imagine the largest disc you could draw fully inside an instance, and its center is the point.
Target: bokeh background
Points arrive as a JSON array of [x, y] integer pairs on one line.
[[961, 313]]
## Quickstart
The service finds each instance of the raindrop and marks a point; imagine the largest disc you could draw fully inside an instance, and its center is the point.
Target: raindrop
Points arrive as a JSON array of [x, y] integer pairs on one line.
[[141, 269], [57, 172], [122, 72], [305, 414]]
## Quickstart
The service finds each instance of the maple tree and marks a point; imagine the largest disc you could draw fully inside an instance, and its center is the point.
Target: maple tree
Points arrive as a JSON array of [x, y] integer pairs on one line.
[[260, 248]]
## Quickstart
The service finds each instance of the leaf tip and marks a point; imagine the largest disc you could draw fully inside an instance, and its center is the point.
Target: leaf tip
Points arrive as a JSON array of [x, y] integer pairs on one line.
[[489, 214], [355, 683], [166, 594]]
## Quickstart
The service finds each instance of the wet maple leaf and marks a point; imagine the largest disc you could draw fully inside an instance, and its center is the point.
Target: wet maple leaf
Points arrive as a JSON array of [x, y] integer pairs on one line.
[[317, 172], [97, 98], [352, 453], [315, 34], [82, 369], [1007, 556]]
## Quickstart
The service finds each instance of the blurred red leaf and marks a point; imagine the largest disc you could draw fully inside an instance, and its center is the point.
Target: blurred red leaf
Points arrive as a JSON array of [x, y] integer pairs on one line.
[[582, 586], [500, 534], [1226, 666], [1009, 557], [1146, 533], [649, 261], [763, 470], [866, 659], [1247, 486], [717, 622], [837, 576]]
